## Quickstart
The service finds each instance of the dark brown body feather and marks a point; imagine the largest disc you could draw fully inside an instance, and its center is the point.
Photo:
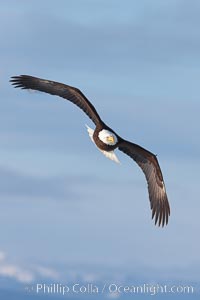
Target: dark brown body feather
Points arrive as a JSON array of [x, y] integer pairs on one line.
[[145, 159]]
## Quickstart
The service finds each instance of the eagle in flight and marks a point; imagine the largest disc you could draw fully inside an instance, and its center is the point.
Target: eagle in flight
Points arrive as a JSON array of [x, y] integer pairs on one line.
[[107, 140]]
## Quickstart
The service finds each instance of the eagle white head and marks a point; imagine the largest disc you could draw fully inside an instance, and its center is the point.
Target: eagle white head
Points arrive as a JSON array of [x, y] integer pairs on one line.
[[111, 155], [108, 137]]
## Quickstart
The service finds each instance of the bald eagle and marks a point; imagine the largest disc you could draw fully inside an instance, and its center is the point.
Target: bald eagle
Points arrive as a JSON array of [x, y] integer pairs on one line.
[[107, 140]]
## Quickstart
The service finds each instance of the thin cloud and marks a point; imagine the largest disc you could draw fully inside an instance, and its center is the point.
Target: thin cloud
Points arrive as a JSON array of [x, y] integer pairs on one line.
[[15, 184], [25, 274], [13, 271], [46, 272]]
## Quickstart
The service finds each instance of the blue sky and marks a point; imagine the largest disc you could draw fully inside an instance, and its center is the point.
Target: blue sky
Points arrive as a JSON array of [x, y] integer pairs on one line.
[[65, 209]]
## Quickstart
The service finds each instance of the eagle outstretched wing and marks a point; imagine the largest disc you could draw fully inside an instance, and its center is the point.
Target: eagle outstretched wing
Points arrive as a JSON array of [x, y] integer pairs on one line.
[[145, 159], [156, 187], [59, 89]]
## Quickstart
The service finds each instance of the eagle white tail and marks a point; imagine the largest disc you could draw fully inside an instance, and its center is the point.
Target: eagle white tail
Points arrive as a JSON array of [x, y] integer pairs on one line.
[[109, 154]]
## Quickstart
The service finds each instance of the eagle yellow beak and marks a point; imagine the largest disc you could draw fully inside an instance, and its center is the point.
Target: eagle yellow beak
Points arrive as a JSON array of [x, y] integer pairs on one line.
[[110, 139]]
